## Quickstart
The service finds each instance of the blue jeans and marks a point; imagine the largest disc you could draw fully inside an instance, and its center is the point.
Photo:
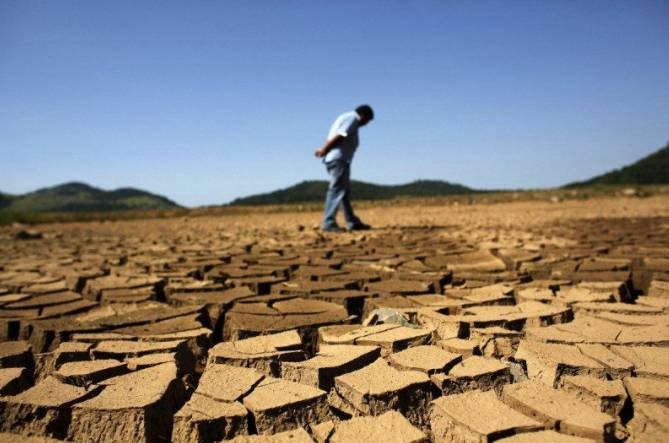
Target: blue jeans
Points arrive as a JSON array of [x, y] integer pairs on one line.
[[339, 193]]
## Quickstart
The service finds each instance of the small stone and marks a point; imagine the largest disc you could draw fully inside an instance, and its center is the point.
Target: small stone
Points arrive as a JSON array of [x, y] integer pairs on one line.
[[28, 234]]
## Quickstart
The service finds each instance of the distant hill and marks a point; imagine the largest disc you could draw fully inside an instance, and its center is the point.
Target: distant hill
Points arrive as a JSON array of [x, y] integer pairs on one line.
[[313, 191], [650, 170], [5, 199], [76, 197]]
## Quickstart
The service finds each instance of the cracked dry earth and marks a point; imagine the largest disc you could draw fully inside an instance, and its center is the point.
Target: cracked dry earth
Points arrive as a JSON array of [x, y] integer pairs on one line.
[[520, 322]]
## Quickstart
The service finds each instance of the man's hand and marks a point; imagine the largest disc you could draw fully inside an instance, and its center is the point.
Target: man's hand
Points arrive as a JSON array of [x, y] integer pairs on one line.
[[320, 152]]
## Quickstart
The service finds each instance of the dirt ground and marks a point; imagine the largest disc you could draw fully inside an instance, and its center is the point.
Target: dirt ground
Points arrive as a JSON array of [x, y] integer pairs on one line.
[[515, 322]]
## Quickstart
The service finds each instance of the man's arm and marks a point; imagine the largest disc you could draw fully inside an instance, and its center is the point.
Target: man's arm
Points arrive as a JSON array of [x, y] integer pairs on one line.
[[327, 147]]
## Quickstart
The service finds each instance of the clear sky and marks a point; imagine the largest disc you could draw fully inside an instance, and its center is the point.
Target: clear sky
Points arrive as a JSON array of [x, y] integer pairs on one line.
[[204, 101]]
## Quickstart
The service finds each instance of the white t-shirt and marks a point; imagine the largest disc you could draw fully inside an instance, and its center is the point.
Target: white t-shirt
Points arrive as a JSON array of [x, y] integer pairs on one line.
[[345, 125]]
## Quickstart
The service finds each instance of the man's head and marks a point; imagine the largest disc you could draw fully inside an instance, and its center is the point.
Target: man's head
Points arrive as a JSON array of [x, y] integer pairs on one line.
[[366, 114]]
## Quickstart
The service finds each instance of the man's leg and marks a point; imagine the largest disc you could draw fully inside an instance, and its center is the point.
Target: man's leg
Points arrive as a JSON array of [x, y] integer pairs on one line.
[[349, 215], [335, 193]]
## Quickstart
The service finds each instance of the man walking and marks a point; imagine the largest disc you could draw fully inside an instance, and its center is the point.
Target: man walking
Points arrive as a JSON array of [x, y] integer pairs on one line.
[[337, 154]]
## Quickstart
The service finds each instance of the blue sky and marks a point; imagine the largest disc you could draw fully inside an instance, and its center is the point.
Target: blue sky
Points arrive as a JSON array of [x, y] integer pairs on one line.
[[205, 101]]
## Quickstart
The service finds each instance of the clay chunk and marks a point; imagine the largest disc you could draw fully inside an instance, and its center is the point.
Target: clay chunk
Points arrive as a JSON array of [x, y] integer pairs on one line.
[[330, 362], [293, 436], [550, 362], [606, 396], [474, 373], [378, 388], [133, 407], [264, 353], [43, 409], [496, 342], [215, 412], [461, 346], [544, 437], [228, 383], [647, 389], [205, 419], [15, 354], [649, 361], [476, 417], [650, 423], [251, 319], [475, 261], [84, 373], [428, 359], [559, 409], [589, 329], [279, 405], [399, 287], [16, 438], [390, 427], [13, 381], [120, 349], [389, 337]]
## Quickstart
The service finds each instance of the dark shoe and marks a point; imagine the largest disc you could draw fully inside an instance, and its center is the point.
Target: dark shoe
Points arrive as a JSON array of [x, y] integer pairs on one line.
[[333, 228], [360, 227]]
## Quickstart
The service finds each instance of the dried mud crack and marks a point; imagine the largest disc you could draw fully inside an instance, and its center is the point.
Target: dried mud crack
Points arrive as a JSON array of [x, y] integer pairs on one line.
[[489, 325]]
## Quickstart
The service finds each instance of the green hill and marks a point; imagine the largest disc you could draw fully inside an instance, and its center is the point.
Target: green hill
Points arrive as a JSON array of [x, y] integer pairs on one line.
[[313, 191], [76, 197], [650, 170], [5, 199]]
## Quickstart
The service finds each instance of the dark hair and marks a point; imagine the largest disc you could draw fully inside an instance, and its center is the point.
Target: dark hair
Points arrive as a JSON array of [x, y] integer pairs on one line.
[[365, 111]]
